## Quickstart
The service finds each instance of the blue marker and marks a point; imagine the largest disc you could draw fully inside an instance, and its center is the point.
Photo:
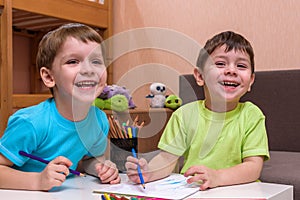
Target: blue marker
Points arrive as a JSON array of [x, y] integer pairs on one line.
[[139, 170]]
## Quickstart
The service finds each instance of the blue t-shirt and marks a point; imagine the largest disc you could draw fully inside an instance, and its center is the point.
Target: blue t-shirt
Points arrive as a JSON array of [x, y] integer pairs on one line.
[[42, 131]]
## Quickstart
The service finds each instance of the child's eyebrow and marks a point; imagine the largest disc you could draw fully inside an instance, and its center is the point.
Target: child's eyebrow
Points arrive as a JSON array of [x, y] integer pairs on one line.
[[239, 59], [97, 54], [220, 56], [244, 59]]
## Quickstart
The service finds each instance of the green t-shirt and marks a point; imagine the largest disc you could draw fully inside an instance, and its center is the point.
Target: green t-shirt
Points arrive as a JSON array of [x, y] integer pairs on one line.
[[216, 140]]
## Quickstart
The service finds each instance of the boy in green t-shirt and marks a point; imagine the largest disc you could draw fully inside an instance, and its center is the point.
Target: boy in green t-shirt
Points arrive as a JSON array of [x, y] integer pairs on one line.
[[222, 140]]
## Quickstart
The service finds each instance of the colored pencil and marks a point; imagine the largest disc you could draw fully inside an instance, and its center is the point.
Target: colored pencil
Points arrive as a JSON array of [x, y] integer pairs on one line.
[[129, 131], [135, 121], [106, 196], [112, 131], [116, 126], [139, 170], [124, 130], [46, 162]]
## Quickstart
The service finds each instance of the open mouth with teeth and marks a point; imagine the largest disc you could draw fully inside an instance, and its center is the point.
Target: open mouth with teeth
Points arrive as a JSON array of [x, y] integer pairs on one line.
[[86, 84], [229, 84]]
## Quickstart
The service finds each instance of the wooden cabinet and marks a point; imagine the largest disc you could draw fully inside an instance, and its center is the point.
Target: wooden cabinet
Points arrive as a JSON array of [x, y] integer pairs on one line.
[[38, 17]]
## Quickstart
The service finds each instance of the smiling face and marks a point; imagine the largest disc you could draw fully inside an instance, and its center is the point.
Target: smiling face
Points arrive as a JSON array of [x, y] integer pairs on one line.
[[78, 73], [226, 77]]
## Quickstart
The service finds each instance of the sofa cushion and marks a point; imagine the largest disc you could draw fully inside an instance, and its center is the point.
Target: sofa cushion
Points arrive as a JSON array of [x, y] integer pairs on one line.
[[283, 168]]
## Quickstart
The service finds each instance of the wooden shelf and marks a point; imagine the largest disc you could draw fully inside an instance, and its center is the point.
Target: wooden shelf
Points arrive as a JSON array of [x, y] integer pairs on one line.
[[25, 100]]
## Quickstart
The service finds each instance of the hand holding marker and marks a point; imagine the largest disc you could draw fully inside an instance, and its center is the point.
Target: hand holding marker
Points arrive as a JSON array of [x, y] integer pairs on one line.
[[139, 170]]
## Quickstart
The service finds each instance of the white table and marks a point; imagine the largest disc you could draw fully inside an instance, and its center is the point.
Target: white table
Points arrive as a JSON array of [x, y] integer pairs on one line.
[[74, 188], [253, 191], [81, 188]]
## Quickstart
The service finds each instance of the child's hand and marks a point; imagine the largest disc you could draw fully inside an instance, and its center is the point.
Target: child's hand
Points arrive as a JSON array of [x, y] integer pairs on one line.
[[206, 176], [54, 174], [108, 172], [131, 167]]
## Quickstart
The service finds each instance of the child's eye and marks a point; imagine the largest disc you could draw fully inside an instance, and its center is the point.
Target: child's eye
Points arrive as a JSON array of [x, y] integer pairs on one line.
[[97, 62], [72, 62], [242, 66], [220, 64]]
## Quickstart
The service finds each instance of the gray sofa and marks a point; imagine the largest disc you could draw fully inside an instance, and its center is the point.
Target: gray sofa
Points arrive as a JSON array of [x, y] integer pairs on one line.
[[277, 93]]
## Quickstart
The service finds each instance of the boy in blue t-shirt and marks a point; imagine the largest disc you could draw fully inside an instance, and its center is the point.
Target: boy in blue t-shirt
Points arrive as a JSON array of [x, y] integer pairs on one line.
[[65, 129], [222, 140]]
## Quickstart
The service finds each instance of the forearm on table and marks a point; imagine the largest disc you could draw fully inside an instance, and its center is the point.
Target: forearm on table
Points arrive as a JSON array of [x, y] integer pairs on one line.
[[248, 171], [162, 165], [14, 179]]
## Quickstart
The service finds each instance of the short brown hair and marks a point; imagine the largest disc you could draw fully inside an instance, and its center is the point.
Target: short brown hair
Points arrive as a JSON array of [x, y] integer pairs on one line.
[[53, 40], [232, 40]]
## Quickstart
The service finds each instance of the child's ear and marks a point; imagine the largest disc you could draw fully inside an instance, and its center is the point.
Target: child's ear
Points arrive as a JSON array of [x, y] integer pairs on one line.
[[251, 81], [198, 77], [47, 77]]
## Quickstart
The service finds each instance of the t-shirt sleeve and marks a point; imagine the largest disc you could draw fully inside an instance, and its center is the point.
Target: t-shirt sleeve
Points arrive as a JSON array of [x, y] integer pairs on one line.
[[19, 135], [255, 141], [100, 144], [173, 139]]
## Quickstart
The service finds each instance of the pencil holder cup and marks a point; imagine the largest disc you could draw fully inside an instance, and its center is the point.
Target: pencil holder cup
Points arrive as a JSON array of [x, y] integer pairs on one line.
[[120, 149]]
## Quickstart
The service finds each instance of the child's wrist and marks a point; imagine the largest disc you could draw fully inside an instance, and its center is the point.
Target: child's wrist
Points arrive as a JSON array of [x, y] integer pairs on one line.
[[36, 181], [220, 178]]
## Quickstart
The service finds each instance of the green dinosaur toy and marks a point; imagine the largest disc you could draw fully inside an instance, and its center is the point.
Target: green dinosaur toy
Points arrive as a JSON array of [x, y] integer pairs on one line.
[[117, 103]]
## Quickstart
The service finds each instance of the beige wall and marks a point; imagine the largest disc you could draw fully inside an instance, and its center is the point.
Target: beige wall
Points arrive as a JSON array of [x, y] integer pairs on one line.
[[156, 40], [272, 26]]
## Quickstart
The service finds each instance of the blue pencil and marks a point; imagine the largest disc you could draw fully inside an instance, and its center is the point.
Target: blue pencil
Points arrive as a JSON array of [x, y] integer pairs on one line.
[[46, 162], [139, 170]]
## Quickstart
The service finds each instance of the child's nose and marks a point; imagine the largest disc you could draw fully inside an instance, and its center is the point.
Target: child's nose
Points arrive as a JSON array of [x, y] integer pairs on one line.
[[230, 69], [86, 68]]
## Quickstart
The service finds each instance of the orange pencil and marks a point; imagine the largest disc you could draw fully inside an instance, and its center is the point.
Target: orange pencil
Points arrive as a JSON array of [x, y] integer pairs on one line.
[[117, 128], [135, 121], [112, 129], [120, 130], [141, 125]]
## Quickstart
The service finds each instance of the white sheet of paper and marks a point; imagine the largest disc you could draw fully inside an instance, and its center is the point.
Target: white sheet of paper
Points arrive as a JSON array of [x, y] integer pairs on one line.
[[171, 187]]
